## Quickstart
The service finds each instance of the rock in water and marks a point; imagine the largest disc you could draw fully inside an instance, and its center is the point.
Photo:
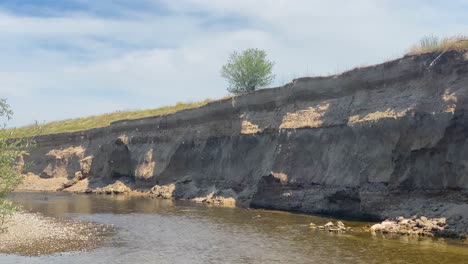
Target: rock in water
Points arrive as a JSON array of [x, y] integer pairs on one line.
[[116, 188], [421, 226]]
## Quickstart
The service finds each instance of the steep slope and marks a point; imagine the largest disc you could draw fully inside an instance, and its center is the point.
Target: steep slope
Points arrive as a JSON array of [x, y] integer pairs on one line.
[[373, 142]]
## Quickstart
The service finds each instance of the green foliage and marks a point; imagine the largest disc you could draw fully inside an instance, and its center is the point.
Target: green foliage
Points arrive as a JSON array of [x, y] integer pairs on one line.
[[10, 175], [247, 71]]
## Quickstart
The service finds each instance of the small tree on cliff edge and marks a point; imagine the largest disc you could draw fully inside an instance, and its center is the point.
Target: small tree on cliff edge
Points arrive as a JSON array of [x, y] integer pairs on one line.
[[247, 71]]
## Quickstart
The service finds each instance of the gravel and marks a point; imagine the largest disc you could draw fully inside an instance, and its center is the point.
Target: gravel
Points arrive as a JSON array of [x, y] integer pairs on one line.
[[33, 234]]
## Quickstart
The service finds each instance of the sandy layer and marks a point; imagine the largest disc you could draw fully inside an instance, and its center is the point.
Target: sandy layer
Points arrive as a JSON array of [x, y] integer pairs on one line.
[[33, 234]]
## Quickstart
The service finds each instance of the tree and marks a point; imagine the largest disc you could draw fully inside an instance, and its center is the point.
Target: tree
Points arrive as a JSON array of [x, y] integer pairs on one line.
[[247, 71], [10, 176]]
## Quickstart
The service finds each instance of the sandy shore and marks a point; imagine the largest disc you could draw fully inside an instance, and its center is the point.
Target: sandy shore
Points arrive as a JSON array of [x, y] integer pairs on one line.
[[33, 234]]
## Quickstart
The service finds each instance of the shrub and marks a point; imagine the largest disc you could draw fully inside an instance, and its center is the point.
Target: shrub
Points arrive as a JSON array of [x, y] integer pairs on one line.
[[10, 175]]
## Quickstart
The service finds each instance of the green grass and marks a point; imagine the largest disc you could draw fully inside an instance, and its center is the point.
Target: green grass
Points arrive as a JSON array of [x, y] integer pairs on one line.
[[78, 124], [434, 44]]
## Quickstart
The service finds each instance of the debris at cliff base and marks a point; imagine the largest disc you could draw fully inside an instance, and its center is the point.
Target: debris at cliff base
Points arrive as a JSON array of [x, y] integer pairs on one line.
[[164, 191], [338, 227], [33, 234], [216, 199], [116, 188], [418, 226]]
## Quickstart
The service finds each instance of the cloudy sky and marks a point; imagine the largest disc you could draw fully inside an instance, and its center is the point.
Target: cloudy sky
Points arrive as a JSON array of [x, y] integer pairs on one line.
[[70, 58]]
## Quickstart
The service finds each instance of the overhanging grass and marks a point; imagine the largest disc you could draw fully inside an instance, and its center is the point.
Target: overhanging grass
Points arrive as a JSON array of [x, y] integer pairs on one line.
[[434, 44], [96, 121]]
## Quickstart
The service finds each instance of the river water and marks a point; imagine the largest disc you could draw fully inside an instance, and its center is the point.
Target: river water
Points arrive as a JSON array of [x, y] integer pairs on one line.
[[165, 231]]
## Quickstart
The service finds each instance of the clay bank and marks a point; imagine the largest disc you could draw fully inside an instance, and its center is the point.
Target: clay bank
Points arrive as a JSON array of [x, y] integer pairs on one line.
[[373, 143]]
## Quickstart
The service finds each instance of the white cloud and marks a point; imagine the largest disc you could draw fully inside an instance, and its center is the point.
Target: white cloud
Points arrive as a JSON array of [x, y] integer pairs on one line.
[[79, 64]]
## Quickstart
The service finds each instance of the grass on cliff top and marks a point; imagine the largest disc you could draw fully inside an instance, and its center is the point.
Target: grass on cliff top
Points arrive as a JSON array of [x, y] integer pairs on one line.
[[426, 45], [435, 44], [78, 124]]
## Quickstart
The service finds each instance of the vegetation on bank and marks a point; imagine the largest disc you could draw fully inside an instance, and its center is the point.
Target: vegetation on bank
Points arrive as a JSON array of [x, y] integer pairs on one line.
[[10, 167], [84, 123], [435, 44]]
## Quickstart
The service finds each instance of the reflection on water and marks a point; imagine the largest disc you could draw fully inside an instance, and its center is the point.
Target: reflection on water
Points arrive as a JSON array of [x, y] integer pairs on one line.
[[165, 231]]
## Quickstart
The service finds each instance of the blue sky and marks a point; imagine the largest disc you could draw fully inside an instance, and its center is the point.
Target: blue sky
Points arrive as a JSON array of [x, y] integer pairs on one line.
[[70, 58]]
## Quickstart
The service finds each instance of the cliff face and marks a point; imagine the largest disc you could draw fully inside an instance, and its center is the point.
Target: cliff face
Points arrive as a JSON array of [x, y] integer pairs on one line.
[[386, 140]]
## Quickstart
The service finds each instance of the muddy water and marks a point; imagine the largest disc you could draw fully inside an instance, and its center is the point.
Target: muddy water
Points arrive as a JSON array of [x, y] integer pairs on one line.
[[163, 231]]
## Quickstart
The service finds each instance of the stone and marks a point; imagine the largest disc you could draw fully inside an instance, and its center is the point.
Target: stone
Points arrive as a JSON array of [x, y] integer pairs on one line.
[[116, 188], [422, 226], [376, 228], [164, 191]]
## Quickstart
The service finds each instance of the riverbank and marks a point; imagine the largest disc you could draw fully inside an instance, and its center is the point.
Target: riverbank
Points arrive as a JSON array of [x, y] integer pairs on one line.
[[33, 234]]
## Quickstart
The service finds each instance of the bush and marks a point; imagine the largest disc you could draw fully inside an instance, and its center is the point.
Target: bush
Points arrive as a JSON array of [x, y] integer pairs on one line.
[[247, 71], [10, 175]]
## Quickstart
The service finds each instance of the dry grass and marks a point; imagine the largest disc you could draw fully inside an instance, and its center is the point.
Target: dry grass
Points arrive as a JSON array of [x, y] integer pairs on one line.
[[96, 121], [434, 44]]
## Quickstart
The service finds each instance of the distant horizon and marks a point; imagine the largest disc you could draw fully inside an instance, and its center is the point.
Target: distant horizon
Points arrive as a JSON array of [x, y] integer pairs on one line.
[[75, 58]]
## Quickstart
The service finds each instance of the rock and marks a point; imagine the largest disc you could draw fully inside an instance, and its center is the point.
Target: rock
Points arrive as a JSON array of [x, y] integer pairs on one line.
[[85, 167], [404, 222], [376, 228], [164, 191], [116, 188], [330, 226], [422, 226], [442, 221]]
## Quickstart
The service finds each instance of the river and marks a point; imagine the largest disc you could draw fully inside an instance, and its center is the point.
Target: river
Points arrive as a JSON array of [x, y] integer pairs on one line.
[[166, 231]]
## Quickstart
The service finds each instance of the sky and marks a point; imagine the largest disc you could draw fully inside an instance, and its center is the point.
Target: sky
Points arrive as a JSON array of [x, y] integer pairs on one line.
[[63, 59]]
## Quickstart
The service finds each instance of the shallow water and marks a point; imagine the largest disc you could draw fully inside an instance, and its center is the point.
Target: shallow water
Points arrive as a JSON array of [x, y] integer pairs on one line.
[[165, 231]]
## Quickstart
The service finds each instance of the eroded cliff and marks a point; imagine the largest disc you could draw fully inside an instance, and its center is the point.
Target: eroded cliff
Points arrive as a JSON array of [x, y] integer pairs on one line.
[[374, 142]]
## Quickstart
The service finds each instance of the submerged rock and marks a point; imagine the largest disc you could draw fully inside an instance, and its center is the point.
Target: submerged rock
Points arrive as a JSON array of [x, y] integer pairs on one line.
[[331, 227]]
